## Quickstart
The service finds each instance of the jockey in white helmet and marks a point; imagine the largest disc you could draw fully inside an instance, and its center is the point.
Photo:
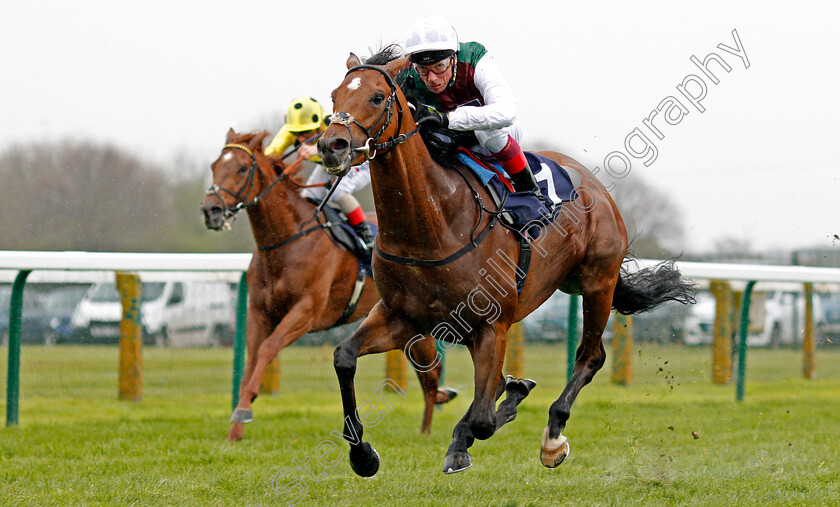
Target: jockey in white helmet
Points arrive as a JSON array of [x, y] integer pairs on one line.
[[464, 90]]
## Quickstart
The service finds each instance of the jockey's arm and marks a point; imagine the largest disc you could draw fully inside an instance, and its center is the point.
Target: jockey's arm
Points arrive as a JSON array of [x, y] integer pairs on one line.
[[281, 142], [499, 109]]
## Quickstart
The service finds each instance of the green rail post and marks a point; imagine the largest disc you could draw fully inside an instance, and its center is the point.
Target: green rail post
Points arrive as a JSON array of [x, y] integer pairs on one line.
[[571, 341], [239, 339], [13, 371], [743, 330]]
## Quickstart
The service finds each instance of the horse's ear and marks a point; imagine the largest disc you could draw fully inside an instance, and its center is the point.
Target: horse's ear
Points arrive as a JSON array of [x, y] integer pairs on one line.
[[231, 137], [353, 61], [257, 142], [394, 67]]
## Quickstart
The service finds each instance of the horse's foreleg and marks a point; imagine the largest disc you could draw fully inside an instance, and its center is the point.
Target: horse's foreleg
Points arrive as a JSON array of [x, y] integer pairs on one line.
[[380, 332], [294, 325], [256, 330], [597, 304]]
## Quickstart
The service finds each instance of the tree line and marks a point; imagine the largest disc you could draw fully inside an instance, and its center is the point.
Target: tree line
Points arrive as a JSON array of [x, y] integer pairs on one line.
[[82, 195], [89, 196]]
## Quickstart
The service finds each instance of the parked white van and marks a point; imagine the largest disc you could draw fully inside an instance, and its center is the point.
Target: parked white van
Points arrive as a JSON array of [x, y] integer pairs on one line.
[[779, 318], [177, 314]]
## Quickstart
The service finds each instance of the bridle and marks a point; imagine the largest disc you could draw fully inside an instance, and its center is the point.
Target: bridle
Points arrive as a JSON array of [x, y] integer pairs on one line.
[[372, 145], [248, 184]]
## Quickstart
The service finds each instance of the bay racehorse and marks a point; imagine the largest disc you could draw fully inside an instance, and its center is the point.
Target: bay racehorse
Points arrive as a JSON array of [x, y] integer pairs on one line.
[[433, 254], [299, 279]]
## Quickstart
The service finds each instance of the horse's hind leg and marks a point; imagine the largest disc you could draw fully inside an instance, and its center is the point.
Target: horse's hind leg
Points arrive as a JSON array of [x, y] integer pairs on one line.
[[424, 351], [597, 304]]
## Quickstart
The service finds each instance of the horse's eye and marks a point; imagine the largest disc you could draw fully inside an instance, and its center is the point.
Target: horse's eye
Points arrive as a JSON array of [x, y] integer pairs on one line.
[[243, 169], [378, 99]]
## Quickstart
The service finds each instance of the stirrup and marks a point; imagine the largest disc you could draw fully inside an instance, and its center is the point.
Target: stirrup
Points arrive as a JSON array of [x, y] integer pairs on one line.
[[364, 233]]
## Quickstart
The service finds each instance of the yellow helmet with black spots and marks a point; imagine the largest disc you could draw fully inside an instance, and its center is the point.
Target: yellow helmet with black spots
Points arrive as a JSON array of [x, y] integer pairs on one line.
[[304, 113]]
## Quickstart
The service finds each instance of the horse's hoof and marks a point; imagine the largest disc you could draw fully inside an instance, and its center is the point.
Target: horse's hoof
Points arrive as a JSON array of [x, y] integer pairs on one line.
[[554, 450], [445, 395], [242, 415], [364, 460], [235, 433], [456, 462], [524, 385]]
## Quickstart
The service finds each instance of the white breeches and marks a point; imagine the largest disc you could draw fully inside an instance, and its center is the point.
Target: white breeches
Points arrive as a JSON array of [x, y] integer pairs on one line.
[[356, 179], [494, 140]]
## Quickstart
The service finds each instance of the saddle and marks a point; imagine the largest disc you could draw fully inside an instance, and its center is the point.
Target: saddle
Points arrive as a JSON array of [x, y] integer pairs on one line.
[[344, 236], [522, 212]]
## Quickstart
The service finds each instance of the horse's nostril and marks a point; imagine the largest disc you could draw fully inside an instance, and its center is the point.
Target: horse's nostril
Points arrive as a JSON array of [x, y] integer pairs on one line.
[[211, 210], [338, 145]]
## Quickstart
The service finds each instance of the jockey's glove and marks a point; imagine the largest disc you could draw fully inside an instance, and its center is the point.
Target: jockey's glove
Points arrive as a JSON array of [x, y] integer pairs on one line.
[[432, 118]]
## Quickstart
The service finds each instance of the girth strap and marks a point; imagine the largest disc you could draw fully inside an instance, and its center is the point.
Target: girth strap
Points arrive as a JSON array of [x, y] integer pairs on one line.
[[354, 298], [439, 262], [523, 264]]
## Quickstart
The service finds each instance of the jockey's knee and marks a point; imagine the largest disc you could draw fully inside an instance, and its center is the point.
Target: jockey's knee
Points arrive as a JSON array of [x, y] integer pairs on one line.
[[346, 201]]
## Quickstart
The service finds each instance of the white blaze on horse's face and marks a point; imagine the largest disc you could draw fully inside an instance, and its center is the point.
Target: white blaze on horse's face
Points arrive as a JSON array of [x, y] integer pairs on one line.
[[355, 83], [227, 156]]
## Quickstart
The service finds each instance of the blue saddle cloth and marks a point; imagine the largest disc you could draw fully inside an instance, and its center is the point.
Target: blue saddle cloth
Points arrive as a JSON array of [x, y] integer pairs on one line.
[[524, 207]]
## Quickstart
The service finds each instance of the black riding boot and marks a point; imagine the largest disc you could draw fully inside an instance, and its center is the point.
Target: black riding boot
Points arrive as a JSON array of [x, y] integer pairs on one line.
[[524, 180], [365, 234]]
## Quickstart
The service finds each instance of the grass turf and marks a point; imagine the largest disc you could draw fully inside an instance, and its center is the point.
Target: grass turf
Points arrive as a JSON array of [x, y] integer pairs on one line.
[[670, 438]]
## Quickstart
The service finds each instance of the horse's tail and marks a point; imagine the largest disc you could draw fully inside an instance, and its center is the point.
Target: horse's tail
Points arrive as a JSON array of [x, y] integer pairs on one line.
[[648, 288]]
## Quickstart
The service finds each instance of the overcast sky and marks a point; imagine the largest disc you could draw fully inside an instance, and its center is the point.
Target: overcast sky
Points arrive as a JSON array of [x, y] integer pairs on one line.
[[158, 78]]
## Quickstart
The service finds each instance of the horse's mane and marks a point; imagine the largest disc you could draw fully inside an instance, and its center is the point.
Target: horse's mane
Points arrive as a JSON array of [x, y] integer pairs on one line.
[[277, 162], [385, 55]]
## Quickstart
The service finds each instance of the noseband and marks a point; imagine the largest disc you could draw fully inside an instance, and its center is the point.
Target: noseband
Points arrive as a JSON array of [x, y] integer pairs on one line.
[[247, 185], [371, 146]]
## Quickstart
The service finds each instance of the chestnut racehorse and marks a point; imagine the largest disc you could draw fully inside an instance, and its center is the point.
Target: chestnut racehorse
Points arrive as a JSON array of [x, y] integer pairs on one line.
[[299, 280], [434, 249]]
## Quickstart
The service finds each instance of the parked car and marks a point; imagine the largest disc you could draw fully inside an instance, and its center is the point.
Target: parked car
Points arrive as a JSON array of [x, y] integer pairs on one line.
[[59, 305], [778, 315], [550, 321], [784, 319], [698, 326], [831, 318], [46, 312], [33, 325], [177, 314], [663, 324]]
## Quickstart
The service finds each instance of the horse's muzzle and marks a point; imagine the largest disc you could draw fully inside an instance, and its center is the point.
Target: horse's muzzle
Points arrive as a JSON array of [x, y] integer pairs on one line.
[[214, 216], [335, 155]]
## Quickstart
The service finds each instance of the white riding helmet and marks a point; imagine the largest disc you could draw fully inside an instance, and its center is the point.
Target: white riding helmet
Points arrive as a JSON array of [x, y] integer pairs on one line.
[[431, 40]]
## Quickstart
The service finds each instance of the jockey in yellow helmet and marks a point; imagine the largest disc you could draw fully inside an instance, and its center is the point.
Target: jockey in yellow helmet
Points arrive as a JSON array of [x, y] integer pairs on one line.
[[305, 120]]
